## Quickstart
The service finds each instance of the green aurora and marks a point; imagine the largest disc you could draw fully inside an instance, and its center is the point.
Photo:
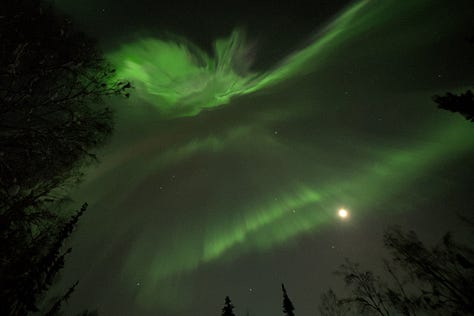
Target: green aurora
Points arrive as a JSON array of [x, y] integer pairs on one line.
[[182, 80], [177, 81], [301, 209]]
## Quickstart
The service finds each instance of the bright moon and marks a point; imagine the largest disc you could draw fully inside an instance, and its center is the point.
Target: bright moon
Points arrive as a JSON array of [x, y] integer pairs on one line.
[[342, 213]]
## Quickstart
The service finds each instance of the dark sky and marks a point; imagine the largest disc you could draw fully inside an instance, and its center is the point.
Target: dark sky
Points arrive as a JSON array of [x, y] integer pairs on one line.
[[224, 177]]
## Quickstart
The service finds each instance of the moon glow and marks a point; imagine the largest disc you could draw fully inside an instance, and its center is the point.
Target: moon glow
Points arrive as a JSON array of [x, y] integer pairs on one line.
[[343, 213]]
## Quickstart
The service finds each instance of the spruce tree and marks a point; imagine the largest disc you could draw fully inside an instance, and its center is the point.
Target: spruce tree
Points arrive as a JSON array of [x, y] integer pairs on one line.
[[53, 81], [288, 307], [462, 103], [228, 307]]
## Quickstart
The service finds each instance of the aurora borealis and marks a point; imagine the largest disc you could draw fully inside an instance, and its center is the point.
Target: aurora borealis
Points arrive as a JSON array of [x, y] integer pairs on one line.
[[181, 80], [226, 172]]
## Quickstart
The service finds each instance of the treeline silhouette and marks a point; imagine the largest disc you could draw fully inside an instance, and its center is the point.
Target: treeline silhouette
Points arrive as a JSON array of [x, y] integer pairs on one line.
[[462, 103], [417, 280], [287, 305], [53, 79], [457, 103]]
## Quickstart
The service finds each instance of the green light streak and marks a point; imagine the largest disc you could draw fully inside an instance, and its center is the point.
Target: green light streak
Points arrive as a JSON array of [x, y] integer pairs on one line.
[[336, 32], [182, 80], [302, 209], [218, 242], [396, 169]]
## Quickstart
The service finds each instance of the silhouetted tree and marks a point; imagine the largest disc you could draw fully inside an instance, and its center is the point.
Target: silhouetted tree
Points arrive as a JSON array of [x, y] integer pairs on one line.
[[56, 308], [446, 270], [332, 306], [462, 103], [288, 307], [368, 295], [228, 308], [52, 81], [30, 273], [435, 281]]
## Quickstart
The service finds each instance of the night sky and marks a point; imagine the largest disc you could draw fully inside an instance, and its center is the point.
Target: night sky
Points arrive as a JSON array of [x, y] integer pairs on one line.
[[250, 126]]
